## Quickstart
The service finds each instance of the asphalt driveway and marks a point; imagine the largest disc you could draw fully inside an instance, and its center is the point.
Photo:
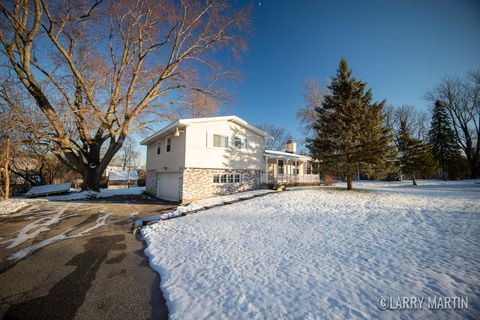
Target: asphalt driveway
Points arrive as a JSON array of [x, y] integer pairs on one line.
[[78, 260]]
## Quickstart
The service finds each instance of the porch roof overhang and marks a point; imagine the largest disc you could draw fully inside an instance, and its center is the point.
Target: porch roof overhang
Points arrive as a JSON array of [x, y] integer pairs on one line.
[[285, 155]]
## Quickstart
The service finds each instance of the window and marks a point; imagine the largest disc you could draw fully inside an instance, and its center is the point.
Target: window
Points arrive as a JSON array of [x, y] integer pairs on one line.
[[227, 178], [240, 143], [220, 141], [280, 166], [158, 147], [237, 143], [296, 169], [223, 178], [168, 144]]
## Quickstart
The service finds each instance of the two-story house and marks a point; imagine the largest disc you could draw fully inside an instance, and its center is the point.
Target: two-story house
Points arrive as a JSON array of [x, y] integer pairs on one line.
[[192, 159]]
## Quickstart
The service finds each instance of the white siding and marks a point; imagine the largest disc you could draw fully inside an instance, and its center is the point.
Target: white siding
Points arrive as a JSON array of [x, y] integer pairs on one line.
[[200, 152], [173, 160]]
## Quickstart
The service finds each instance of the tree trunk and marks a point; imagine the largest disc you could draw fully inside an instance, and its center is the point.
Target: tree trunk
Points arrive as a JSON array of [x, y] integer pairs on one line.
[[7, 172], [473, 164], [442, 164], [413, 179], [473, 168], [349, 182], [92, 173], [91, 179]]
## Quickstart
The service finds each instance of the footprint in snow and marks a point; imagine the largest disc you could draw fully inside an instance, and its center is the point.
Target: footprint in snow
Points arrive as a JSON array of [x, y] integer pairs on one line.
[[226, 270]]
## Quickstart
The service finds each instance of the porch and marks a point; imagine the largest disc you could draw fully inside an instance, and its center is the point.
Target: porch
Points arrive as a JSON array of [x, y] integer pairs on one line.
[[284, 167]]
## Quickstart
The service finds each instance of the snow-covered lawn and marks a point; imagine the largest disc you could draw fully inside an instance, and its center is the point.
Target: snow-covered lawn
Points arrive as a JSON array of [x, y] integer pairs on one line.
[[205, 204], [13, 205], [104, 193], [322, 253], [16, 204]]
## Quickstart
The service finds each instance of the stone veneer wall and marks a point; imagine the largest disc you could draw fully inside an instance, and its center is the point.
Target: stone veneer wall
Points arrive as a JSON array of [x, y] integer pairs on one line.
[[197, 183], [151, 182]]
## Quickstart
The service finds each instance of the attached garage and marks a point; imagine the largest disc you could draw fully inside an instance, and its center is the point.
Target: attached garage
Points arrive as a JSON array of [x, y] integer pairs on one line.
[[168, 186]]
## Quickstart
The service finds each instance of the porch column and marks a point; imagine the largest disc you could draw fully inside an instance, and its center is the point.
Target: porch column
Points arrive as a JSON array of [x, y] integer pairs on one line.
[[276, 170], [266, 169], [286, 170], [296, 170]]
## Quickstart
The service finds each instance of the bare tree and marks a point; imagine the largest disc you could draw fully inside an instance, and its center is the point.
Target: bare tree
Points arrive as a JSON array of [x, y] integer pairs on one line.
[[28, 158], [389, 115], [461, 97], [5, 160], [314, 95], [280, 136], [37, 165], [7, 141], [405, 115], [199, 105], [415, 121], [128, 154], [422, 125], [99, 70]]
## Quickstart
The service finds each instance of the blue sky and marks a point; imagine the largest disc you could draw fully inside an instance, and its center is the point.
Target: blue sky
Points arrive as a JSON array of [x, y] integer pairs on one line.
[[400, 48]]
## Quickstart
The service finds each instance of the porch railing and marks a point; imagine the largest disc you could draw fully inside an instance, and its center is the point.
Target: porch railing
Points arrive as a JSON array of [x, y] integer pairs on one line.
[[290, 178]]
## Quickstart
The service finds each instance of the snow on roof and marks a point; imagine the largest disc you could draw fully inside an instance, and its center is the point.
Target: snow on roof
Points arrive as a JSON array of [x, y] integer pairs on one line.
[[48, 189], [285, 155], [119, 175], [186, 122]]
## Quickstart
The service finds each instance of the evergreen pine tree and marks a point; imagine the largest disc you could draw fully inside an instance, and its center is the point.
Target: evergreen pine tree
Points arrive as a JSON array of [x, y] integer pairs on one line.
[[442, 138], [414, 156], [349, 131]]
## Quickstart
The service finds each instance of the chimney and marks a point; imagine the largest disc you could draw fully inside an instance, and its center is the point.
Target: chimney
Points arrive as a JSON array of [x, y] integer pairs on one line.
[[291, 147]]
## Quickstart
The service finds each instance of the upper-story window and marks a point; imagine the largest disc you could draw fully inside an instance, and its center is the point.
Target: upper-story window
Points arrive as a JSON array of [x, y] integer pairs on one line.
[[168, 144], [240, 143], [159, 144], [220, 141]]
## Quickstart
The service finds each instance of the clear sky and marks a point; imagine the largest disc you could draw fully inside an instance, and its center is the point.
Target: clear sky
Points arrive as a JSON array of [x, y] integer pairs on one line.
[[400, 48]]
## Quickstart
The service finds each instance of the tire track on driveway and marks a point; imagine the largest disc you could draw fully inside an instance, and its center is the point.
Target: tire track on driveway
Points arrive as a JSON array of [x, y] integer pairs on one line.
[[79, 263]]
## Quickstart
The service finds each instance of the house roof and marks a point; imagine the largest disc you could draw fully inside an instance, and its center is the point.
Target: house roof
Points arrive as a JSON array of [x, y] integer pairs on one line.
[[182, 123], [286, 155]]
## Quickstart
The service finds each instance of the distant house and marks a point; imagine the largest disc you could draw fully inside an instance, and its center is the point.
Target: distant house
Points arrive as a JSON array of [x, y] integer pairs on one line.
[[119, 178], [192, 159]]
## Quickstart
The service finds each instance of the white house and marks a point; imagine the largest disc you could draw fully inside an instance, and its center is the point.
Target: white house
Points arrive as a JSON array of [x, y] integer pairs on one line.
[[119, 178], [192, 159]]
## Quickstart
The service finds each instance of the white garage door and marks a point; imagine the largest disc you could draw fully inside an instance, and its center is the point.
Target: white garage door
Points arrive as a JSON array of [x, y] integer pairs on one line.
[[167, 186]]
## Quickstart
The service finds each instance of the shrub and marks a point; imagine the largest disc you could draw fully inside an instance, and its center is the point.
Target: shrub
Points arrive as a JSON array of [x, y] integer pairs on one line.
[[329, 180]]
